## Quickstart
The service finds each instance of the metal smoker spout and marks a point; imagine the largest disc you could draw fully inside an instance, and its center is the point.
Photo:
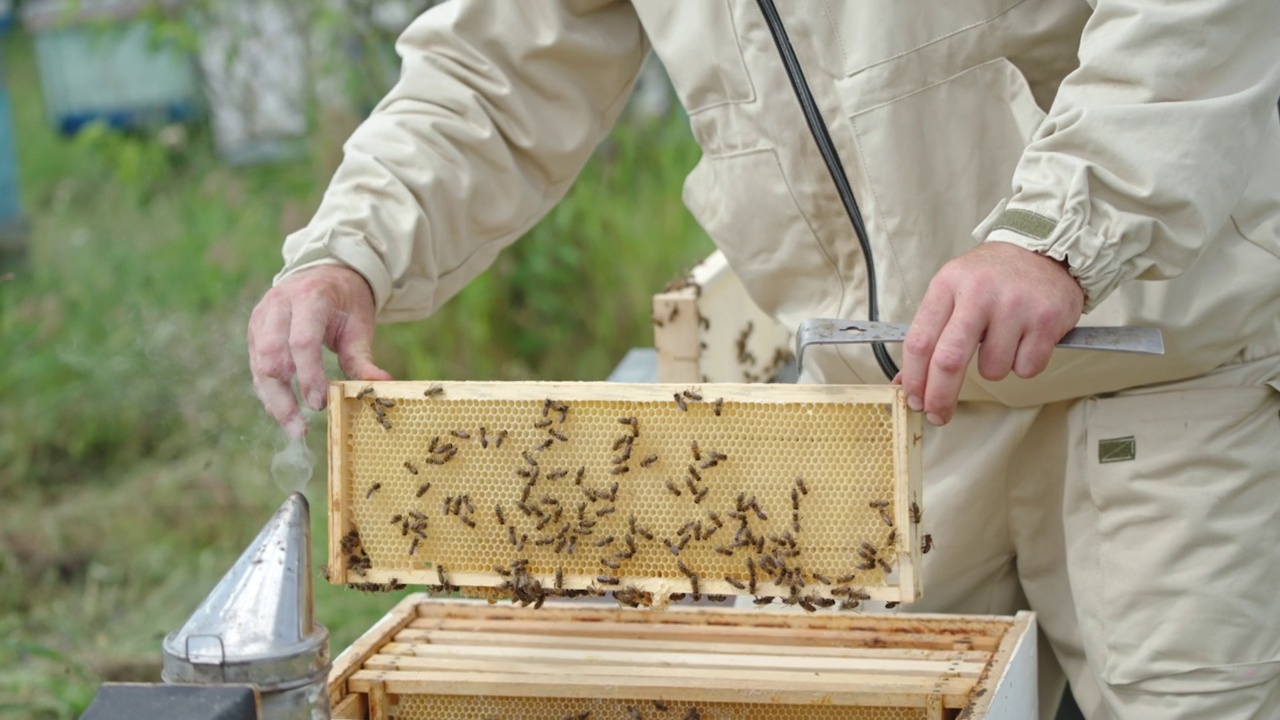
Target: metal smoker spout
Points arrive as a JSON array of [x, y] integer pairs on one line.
[[258, 626]]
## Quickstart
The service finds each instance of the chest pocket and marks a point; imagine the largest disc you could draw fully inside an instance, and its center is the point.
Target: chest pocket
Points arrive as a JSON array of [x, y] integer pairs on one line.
[[698, 42], [869, 32]]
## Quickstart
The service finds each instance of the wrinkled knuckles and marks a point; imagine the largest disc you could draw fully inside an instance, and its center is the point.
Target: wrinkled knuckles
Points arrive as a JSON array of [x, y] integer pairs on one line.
[[950, 361], [917, 344]]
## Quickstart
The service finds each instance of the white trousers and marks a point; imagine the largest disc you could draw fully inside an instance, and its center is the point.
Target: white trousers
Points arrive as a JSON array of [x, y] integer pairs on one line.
[[1142, 527]]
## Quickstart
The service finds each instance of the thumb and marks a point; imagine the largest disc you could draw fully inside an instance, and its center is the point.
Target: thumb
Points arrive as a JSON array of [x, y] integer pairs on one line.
[[356, 360]]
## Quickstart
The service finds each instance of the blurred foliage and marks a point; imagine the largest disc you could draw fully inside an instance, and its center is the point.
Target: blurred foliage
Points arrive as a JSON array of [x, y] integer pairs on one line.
[[133, 455]]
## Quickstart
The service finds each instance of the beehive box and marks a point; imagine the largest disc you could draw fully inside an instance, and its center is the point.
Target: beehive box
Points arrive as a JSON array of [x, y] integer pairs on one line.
[[462, 660], [806, 494], [706, 328]]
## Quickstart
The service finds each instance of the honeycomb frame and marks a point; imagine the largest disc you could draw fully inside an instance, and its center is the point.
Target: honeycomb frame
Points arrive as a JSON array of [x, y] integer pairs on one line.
[[465, 660], [856, 512]]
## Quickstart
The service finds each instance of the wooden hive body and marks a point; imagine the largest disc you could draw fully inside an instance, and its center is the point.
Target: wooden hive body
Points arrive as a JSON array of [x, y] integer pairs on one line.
[[465, 660]]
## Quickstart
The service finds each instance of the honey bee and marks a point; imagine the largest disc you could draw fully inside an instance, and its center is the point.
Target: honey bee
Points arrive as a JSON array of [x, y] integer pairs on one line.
[[384, 422], [800, 484], [693, 714], [610, 563], [697, 453], [460, 434], [497, 442], [884, 565], [586, 524], [821, 578], [724, 550], [671, 488], [606, 580], [557, 474], [417, 515], [643, 532], [659, 705], [544, 444], [707, 464], [631, 421], [511, 534], [688, 481], [547, 405], [582, 471], [735, 582], [619, 470], [759, 512], [606, 540], [633, 713], [466, 520], [680, 403], [413, 546], [717, 406], [372, 489], [675, 549], [366, 392], [693, 394], [484, 440], [868, 565], [528, 457], [558, 435], [844, 579], [607, 510], [649, 461], [916, 513], [795, 522], [559, 584], [539, 424], [573, 544], [563, 410], [891, 605], [520, 545], [926, 544], [435, 391], [893, 535], [524, 493], [625, 456]]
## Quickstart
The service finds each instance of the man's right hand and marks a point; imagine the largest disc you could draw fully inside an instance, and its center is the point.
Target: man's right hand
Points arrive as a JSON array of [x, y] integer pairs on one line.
[[327, 306]]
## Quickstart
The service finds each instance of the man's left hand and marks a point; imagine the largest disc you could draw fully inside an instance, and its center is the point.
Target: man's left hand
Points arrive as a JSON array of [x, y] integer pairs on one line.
[[1008, 304]]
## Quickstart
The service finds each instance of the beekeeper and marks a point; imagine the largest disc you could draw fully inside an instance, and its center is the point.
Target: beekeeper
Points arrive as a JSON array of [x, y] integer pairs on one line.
[[1119, 158]]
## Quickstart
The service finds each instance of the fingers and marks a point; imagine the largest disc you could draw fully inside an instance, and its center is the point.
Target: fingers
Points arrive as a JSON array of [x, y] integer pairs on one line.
[[272, 365], [951, 355], [356, 360], [917, 348], [306, 342], [999, 347]]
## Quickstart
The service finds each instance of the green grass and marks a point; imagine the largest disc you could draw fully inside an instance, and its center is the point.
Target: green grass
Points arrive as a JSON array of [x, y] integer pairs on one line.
[[134, 459]]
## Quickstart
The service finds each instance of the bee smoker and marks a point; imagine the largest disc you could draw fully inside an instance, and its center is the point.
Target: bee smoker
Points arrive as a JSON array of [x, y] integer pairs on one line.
[[257, 626]]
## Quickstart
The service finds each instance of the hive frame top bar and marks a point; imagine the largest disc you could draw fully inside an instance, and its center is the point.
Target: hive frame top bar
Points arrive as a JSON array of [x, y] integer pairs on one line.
[[350, 410], [611, 391]]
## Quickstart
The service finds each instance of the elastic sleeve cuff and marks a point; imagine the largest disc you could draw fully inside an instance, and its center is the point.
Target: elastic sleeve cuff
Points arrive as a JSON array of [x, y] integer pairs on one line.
[[352, 250], [1093, 262]]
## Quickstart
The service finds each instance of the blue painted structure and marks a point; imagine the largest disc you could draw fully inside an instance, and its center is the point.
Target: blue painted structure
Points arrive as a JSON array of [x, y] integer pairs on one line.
[[105, 64], [11, 222]]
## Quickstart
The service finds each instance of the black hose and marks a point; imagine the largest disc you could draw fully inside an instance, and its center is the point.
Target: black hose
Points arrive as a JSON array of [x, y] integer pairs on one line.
[[822, 137]]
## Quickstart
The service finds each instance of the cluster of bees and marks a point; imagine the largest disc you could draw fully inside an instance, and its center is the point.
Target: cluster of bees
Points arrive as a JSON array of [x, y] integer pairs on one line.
[[635, 713], [747, 360], [569, 527]]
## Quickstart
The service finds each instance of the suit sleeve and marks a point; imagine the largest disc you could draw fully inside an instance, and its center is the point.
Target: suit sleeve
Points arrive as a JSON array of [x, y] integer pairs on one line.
[[1150, 142], [498, 107]]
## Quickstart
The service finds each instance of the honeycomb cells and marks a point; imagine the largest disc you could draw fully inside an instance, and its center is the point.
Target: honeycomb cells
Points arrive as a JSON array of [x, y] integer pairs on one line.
[[689, 501], [456, 707]]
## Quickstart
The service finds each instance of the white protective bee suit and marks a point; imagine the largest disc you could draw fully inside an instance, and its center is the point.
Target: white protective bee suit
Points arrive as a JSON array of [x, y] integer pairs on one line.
[[1131, 501]]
